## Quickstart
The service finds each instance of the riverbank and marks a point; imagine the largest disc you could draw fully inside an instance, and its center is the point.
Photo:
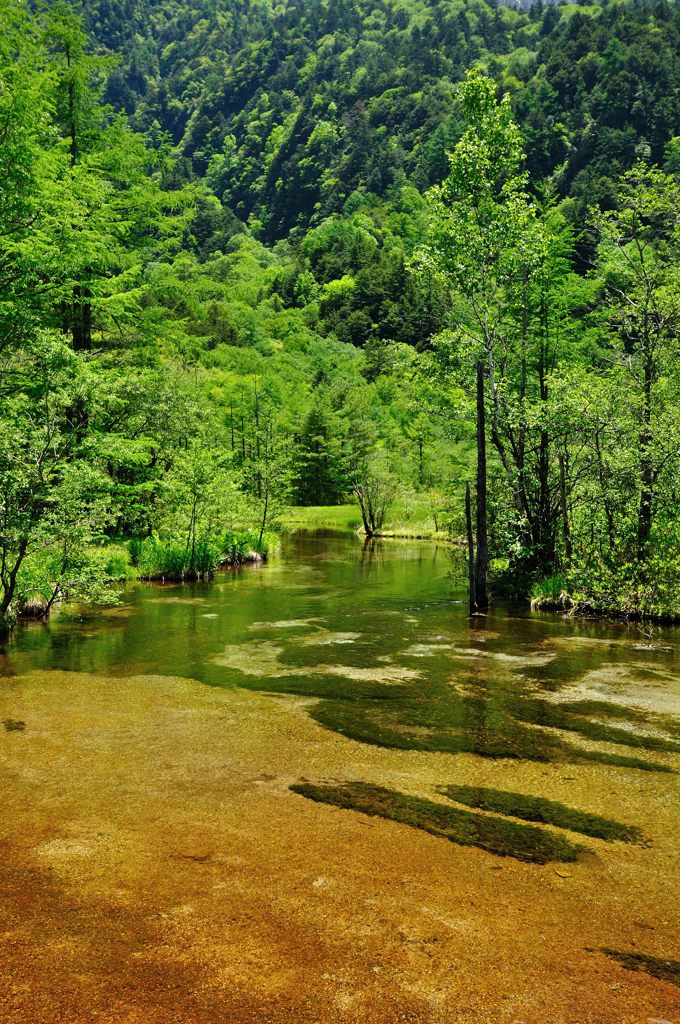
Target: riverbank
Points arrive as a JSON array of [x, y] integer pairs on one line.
[[606, 598], [155, 561], [411, 520], [636, 601], [152, 560]]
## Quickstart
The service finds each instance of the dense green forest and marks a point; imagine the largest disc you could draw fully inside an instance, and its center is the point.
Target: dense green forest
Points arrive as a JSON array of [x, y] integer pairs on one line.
[[255, 255]]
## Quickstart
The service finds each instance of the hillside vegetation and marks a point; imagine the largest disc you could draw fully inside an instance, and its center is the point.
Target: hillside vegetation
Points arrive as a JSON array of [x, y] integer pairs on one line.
[[257, 255]]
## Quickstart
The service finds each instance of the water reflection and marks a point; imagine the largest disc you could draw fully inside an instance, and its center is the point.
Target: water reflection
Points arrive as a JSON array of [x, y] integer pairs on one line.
[[379, 634]]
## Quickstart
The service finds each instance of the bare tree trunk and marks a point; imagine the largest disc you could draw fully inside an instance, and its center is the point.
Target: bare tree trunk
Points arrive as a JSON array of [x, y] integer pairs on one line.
[[471, 549], [602, 479], [545, 555], [644, 530], [566, 532], [9, 582], [482, 557], [265, 512], [361, 498], [191, 539]]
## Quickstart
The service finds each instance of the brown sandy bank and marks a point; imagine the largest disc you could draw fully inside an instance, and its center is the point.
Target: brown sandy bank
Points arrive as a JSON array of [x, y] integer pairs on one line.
[[155, 869]]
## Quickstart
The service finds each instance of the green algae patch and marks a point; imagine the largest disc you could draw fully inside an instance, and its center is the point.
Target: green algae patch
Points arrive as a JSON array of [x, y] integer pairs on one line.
[[433, 703], [13, 725], [395, 719], [453, 727], [288, 624], [495, 835], [605, 709], [555, 716], [546, 812], [358, 692], [665, 970], [618, 761]]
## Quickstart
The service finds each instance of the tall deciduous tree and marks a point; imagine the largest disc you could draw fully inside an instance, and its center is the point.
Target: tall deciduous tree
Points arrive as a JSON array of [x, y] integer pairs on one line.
[[639, 262], [481, 215], [82, 207]]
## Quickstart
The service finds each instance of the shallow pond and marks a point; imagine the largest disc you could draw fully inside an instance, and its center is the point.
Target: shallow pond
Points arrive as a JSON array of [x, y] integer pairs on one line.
[[375, 700], [379, 634]]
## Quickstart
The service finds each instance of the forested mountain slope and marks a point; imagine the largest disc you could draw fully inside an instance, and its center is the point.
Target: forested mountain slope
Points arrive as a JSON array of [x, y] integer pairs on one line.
[[288, 108], [254, 255]]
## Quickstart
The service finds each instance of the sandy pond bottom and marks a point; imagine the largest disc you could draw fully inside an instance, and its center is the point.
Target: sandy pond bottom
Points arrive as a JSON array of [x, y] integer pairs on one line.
[[156, 869]]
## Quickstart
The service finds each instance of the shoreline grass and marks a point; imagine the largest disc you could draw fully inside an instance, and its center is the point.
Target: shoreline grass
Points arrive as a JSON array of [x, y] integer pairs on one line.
[[407, 520]]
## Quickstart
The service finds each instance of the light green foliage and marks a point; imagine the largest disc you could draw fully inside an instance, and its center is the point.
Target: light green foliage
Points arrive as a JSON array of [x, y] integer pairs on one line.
[[198, 500], [181, 360], [581, 412], [481, 219], [53, 498], [627, 556]]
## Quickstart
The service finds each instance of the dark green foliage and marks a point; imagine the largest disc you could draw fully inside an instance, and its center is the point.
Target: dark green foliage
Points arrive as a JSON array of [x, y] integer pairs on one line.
[[319, 473], [548, 812], [605, 96], [503, 838], [346, 99], [205, 333]]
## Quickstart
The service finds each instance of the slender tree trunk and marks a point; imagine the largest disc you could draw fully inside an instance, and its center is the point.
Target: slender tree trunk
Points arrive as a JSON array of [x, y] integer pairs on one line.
[[81, 315], [471, 549], [191, 540], [546, 527], [265, 513], [364, 513], [482, 557], [644, 530], [81, 319], [603, 481], [545, 532], [57, 587], [258, 472], [566, 532], [9, 583]]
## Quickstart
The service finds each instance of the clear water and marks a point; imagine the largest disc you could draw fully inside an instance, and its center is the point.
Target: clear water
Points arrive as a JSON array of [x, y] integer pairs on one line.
[[379, 634], [503, 795]]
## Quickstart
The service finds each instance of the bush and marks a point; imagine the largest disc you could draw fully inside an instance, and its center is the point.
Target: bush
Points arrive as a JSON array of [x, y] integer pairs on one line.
[[135, 548], [115, 562], [83, 574], [175, 560], [157, 559], [629, 589], [236, 546], [551, 593]]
